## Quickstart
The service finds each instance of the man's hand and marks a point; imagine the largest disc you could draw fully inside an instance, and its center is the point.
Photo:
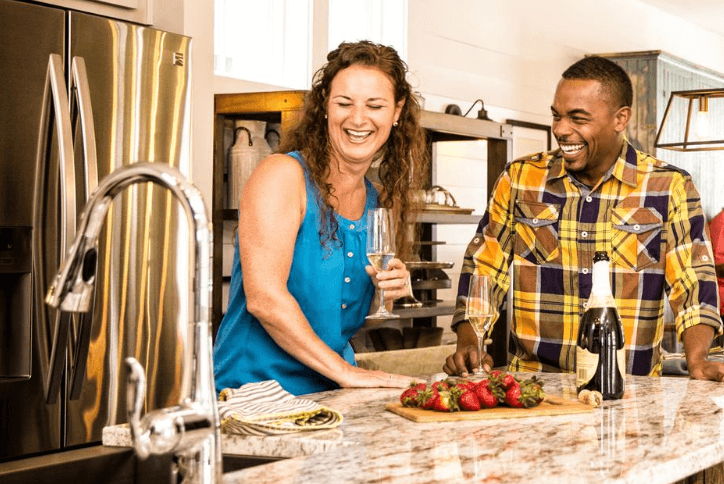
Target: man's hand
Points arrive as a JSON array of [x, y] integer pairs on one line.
[[466, 357], [697, 341], [707, 370]]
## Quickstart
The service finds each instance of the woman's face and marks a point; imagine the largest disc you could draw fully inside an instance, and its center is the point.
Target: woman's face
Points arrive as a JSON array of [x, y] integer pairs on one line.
[[360, 112]]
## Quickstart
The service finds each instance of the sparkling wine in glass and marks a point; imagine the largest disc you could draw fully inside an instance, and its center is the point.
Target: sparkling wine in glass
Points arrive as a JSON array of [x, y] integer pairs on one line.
[[480, 311], [380, 250]]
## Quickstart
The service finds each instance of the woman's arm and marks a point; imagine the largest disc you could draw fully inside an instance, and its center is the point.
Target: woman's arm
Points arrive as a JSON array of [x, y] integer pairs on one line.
[[271, 211]]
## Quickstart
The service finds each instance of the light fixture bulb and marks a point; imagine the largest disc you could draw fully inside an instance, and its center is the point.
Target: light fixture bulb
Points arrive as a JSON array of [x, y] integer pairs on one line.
[[702, 119]]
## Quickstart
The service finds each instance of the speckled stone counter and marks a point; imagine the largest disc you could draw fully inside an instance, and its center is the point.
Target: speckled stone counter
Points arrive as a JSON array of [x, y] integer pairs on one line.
[[293, 445], [663, 430]]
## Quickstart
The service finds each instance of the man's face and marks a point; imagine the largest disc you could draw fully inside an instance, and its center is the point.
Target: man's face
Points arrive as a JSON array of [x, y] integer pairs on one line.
[[587, 125]]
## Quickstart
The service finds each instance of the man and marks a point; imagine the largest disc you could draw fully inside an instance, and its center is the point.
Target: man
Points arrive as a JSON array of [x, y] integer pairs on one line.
[[549, 214]]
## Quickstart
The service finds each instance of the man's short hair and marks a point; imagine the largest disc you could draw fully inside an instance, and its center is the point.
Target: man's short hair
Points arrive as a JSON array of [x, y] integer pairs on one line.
[[611, 76]]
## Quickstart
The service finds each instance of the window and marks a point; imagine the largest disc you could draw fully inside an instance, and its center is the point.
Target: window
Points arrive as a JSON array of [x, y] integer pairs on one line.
[[265, 41], [271, 41]]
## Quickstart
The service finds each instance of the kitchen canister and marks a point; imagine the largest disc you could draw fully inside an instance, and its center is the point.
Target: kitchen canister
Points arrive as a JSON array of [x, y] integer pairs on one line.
[[245, 154]]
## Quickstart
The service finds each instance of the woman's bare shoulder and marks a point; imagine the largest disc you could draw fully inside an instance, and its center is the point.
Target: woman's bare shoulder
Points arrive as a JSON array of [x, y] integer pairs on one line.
[[277, 170]]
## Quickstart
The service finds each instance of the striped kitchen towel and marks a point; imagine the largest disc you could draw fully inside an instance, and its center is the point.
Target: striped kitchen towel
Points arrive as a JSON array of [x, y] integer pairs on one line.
[[265, 408]]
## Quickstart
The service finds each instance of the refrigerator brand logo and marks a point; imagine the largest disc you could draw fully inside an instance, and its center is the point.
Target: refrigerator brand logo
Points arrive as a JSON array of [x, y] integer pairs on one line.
[[178, 59]]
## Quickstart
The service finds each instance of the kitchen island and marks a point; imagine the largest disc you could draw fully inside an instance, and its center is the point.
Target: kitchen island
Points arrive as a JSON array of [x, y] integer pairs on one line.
[[663, 430]]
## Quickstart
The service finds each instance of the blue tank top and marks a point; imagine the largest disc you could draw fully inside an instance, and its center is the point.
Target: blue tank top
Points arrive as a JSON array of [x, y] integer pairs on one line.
[[332, 288]]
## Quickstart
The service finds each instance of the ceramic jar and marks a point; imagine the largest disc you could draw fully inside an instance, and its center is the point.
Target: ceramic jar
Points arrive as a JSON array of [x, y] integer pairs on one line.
[[244, 155]]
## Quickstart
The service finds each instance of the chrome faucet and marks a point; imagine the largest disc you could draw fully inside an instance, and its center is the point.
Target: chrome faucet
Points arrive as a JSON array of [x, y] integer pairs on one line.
[[190, 429]]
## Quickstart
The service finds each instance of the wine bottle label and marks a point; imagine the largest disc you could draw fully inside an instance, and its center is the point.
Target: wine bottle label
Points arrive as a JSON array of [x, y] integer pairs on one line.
[[621, 361], [586, 364]]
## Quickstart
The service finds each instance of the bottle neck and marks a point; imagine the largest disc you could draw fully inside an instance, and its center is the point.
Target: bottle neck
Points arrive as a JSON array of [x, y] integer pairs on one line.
[[601, 295], [601, 284]]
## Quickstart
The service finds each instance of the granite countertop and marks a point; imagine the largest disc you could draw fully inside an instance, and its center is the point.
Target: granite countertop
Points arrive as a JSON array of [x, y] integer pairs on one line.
[[663, 430]]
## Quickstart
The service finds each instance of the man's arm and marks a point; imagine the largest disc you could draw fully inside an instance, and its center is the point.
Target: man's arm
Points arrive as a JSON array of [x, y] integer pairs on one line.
[[488, 253], [692, 285], [697, 341]]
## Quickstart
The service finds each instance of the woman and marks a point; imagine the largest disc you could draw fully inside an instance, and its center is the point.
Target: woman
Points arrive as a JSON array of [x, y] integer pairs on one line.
[[306, 285]]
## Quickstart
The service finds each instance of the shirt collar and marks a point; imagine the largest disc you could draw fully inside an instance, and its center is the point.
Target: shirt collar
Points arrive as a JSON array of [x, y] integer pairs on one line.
[[624, 169]]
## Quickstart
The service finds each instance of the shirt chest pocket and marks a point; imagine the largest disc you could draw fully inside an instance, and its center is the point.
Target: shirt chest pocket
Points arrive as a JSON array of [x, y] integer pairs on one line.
[[636, 240], [536, 231]]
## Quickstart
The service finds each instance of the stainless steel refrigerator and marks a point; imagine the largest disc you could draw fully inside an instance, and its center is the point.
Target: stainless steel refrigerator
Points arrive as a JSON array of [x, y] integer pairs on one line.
[[81, 95]]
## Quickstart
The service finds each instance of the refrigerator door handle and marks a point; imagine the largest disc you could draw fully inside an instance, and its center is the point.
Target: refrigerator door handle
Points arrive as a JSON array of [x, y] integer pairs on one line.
[[81, 110], [55, 107]]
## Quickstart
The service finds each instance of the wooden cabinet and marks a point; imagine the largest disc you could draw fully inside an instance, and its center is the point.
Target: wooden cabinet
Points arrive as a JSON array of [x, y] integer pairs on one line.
[[654, 75], [284, 107]]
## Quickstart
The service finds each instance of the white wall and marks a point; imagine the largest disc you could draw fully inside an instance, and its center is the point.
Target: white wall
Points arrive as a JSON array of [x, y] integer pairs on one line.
[[510, 54]]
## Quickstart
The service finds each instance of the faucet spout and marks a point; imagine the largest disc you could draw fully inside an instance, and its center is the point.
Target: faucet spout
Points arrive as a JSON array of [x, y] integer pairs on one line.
[[72, 291]]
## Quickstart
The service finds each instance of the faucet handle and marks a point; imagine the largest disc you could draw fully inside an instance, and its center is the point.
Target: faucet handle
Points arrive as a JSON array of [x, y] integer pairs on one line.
[[134, 402]]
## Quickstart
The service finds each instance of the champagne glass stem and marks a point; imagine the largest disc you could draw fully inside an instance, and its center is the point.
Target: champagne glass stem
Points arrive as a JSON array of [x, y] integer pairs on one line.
[[479, 370]]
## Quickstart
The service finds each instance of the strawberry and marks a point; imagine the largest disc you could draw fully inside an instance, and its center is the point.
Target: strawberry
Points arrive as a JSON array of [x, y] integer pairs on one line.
[[469, 401], [537, 389], [427, 398], [462, 386], [409, 397], [528, 394], [495, 374], [471, 385], [440, 385], [485, 394], [509, 381], [445, 402]]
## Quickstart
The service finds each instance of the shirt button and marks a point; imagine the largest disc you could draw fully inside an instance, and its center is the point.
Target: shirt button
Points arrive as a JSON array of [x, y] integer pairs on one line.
[[585, 271], [584, 234], [476, 240], [705, 258], [535, 220], [344, 306], [585, 304], [637, 227], [350, 254], [589, 198], [346, 279], [351, 226]]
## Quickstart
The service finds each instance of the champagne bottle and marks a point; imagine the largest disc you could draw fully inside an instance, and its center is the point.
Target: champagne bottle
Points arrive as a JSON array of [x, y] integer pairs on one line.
[[600, 356]]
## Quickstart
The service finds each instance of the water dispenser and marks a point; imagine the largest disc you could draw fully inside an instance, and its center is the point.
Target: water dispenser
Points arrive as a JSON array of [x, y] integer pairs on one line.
[[15, 303]]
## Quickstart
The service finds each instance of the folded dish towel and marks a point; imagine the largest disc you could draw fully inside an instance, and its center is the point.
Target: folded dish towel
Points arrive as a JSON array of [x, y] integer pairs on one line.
[[265, 408]]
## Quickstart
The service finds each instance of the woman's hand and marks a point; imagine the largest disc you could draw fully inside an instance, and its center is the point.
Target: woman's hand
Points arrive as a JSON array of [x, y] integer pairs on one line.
[[395, 280], [355, 377]]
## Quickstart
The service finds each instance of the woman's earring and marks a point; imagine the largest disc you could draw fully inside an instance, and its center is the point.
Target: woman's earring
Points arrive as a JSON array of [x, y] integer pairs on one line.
[[395, 124], [325, 115]]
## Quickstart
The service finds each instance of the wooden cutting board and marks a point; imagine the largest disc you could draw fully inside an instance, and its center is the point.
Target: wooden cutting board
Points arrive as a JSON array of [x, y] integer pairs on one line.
[[549, 406]]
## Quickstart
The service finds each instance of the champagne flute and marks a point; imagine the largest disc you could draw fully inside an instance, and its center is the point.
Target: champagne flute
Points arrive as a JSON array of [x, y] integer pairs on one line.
[[380, 250], [480, 311]]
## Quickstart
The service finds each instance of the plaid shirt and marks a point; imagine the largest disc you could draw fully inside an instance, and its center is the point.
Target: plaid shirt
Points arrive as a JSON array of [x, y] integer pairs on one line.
[[645, 213]]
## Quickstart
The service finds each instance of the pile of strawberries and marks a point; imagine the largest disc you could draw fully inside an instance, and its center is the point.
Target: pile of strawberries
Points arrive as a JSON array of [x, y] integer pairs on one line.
[[500, 388]]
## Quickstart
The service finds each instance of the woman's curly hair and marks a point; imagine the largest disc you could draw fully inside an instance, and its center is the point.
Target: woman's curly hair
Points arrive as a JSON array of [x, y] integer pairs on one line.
[[404, 157]]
